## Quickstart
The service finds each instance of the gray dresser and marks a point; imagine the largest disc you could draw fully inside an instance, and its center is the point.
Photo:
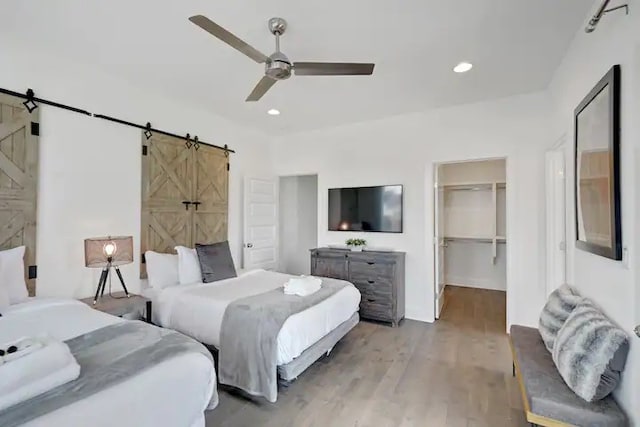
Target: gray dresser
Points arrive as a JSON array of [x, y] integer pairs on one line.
[[379, 276]]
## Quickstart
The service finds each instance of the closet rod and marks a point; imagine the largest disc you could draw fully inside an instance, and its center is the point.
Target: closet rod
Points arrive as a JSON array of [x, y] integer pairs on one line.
[[470, 188], [475, 239], [30, 96], [469, 239]]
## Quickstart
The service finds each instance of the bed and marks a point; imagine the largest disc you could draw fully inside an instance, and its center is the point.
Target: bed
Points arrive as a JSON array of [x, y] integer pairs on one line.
[[197, 310], [146, 399]]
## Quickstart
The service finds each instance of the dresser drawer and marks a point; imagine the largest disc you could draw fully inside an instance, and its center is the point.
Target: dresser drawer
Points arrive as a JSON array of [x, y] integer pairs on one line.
[[376, 308], [362, 270], [383, 289]]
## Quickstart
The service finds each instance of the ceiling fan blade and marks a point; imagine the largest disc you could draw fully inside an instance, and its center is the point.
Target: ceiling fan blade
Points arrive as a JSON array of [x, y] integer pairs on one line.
[[261, 88], [224, 35], [332, 69]]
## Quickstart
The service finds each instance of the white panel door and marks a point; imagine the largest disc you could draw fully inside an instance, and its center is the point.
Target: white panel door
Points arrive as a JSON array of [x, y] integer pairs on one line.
[[556, 219], [439, 242], [260, 223]]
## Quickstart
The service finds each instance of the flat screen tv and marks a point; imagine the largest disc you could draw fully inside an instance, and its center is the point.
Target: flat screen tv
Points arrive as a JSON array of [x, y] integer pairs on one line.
[[366, 209]]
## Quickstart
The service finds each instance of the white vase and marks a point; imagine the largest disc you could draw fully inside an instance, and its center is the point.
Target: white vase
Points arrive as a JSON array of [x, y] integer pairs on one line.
[[357, 248]]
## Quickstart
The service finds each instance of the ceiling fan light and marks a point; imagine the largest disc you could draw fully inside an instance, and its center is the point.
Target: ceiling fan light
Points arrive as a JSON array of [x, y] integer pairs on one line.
[[463, 67], [273, 112]]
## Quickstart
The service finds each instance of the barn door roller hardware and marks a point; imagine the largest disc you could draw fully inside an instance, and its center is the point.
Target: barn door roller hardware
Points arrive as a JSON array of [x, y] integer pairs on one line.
[[31, 103], [602, 10]]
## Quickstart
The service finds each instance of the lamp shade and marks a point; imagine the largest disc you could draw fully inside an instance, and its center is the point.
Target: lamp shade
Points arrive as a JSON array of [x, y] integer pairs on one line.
[[98, 250]]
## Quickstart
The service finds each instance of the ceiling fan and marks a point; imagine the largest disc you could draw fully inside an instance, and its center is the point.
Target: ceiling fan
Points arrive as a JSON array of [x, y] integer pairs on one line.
[[277, 65]]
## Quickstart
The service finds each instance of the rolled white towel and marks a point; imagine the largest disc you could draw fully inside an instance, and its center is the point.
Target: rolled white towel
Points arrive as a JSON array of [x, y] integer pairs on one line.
[[37, 372], [302, 286]]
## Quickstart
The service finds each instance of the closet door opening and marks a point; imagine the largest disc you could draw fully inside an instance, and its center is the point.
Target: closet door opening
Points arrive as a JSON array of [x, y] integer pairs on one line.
[[298, 206], [470, 240]]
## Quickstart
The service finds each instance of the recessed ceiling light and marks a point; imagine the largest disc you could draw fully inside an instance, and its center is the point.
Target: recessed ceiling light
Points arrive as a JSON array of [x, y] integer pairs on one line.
[[463, 67], [273, 112]]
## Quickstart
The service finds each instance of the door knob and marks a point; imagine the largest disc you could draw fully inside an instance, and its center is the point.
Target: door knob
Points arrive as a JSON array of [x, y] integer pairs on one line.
[[249, 245], [637, 330]]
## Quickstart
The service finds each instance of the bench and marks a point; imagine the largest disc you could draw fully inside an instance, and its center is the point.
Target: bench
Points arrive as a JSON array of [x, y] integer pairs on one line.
[[547, 400]]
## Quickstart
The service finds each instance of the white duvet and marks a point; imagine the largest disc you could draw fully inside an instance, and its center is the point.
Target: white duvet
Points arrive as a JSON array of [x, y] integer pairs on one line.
[[144, 400], [197, 310]]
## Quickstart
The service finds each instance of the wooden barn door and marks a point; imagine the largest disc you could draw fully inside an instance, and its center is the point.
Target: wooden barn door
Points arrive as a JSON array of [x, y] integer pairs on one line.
[[166, 183], [211, 195], [184, 194], [19, 131]]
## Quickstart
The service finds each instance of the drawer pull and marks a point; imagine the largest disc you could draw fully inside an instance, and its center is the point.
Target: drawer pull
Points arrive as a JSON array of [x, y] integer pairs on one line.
[[371, 300], [370, 263], [371, 282]]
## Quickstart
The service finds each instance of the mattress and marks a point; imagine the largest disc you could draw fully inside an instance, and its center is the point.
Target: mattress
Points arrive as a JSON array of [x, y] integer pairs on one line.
[[147, 399], [197, 310]]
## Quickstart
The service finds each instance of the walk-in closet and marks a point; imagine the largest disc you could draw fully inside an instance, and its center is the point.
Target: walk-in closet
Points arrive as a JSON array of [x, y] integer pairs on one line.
[[471, 226]]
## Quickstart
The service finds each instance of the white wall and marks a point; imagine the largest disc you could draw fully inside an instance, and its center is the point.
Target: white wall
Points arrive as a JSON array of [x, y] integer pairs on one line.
[[403, 149], [470, 264], [486, 171], [298, 222], [89, 183], [613, 285]]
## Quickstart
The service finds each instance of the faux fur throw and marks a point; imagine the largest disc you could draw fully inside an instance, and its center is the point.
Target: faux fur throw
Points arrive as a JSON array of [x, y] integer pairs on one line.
[[559, 306], [590, 352]]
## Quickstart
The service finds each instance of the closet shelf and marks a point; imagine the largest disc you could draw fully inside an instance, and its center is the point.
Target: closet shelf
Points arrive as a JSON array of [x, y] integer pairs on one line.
[[499, 239], [474, 186]]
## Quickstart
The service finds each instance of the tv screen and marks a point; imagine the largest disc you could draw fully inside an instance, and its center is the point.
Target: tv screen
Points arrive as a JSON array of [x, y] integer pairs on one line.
[[366, 209]]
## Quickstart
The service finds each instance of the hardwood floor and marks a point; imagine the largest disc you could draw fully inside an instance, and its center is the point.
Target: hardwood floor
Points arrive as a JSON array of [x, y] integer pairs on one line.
[[456, 372]]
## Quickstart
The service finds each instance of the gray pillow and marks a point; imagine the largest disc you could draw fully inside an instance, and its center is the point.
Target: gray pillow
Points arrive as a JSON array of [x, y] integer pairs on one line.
[[559, 306], [215, 262], [590, 352]]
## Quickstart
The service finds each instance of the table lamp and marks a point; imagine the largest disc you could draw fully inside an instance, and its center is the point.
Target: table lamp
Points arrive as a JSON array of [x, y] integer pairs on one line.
[[107, 252]]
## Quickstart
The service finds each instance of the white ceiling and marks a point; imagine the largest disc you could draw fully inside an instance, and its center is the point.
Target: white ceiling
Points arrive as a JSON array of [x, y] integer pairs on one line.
[[515, 45]]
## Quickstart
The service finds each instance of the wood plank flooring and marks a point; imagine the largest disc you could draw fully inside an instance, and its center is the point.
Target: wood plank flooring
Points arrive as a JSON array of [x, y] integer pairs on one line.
[[456, 372]]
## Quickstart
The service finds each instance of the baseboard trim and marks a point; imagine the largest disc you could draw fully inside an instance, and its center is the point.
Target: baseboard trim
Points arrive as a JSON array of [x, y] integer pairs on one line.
[[462, 284]]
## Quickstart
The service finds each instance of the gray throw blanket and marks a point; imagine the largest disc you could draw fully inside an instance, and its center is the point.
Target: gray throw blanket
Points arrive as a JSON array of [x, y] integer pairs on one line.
[[249, 337], [107, 357]]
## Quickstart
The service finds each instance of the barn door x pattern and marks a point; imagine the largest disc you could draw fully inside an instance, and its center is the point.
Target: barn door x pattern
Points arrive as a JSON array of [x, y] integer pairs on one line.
[[184, 194], [19, 131]]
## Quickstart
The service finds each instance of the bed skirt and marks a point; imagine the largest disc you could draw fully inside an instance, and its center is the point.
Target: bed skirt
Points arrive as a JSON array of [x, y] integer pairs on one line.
[[293, 369]]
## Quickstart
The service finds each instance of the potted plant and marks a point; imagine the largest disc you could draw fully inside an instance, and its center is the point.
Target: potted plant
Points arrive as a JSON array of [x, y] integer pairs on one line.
[[356, 245]]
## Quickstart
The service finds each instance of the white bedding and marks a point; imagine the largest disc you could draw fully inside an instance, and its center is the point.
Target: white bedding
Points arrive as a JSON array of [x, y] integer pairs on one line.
[[197, 310], [147, 399]]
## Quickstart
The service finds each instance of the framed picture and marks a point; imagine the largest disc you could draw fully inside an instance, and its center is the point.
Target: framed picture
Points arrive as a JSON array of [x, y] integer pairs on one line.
[[597, 166]]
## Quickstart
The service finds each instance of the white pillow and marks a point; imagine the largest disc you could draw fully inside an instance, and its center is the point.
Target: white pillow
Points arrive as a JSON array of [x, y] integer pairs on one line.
[[162, 269], [188, 266], [12, 274], [4, 299]]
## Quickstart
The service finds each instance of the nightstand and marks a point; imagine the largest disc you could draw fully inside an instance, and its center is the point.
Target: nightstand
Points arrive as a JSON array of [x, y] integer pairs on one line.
[[117, 304]]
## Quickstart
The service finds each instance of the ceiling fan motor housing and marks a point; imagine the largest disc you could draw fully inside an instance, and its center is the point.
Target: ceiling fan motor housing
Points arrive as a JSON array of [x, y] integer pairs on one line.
[[278, 67]]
